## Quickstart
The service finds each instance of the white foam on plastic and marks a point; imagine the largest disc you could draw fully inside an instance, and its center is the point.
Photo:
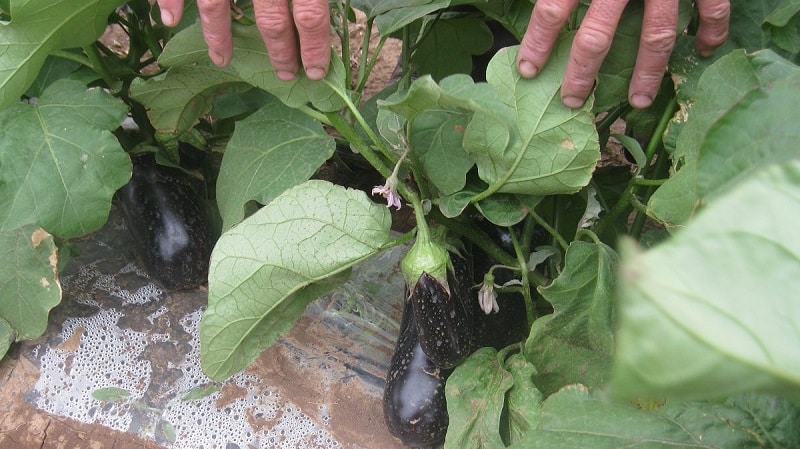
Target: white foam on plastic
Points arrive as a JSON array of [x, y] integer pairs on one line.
[[108, 356]]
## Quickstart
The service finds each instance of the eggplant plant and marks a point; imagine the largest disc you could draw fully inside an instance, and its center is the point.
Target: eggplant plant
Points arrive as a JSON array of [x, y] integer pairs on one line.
[[665, 307]]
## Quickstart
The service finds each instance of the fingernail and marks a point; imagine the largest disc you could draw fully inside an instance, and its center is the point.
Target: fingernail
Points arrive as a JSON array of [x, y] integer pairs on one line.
[[315, 73], [705, 52], [527, 69], [167, 18], [572, 102], [640, 101], [217, 58], [285, 75]]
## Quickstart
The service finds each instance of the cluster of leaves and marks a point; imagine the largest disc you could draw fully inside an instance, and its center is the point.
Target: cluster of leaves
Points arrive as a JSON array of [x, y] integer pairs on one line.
[[706, 313]]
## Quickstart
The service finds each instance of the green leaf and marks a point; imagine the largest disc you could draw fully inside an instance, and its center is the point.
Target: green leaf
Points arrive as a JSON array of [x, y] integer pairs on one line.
[[783, 25], [549, 148], [720, 87], [449, 45], [274, 149], [38, 27], [758, 131], [265, 271], [199, 393], [59, 164], [574, 418], [251, 64], [503, 209], [748, 20], [176, 99], [575, 343], [436, 138], [391, 15], [454, 93], [712, 312], [29, 285], [110, 394], [52, 70], [523, 398], [7, 336], [475, 396]]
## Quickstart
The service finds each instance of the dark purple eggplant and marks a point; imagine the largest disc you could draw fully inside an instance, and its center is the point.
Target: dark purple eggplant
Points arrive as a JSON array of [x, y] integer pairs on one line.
[[444, 319], [168, 222], [414, 404]]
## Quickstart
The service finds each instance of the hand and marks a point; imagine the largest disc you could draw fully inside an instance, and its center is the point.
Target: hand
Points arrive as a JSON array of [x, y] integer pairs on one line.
[[281, 27], [593, 40]]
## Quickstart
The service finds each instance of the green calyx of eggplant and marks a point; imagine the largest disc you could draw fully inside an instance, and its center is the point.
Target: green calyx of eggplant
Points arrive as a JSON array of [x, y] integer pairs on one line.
[[425, 256]]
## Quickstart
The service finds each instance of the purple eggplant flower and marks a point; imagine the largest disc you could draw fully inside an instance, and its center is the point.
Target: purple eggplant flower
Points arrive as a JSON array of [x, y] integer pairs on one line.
[[389, 191]]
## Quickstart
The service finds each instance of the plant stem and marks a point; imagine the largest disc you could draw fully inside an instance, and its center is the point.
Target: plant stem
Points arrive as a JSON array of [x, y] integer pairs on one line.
[[544, 224], [315, 114], [626, 200], [648, 182], [526, 286], [345, 37], [349, 133], [99, 65], [370, 65], [360, 119]]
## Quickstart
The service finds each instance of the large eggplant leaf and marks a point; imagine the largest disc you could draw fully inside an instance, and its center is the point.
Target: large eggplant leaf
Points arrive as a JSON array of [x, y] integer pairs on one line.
[[575, 418], [59, 164], [720, 87], [758, 131], [576, 342], [176, 99], [753, 26], [38, 27], [475, 398], [29, 285], [551, 149], [251, 64], [714, 311], [266, 270], [275, 148]]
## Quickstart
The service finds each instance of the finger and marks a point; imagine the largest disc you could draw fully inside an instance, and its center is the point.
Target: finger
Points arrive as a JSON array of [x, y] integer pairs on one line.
[[547, 19], [215, 19], [713, 28], [171, 11], [589, 48], [659, 30], [274, 21], [312, 20]]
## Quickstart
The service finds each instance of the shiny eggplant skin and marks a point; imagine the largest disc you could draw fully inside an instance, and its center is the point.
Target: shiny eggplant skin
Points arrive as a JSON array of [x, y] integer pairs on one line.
[[169, 224], [414, 405], [444, 320]]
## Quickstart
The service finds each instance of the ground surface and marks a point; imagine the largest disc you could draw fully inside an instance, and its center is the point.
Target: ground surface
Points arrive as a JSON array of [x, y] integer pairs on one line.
[[119, 366]]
